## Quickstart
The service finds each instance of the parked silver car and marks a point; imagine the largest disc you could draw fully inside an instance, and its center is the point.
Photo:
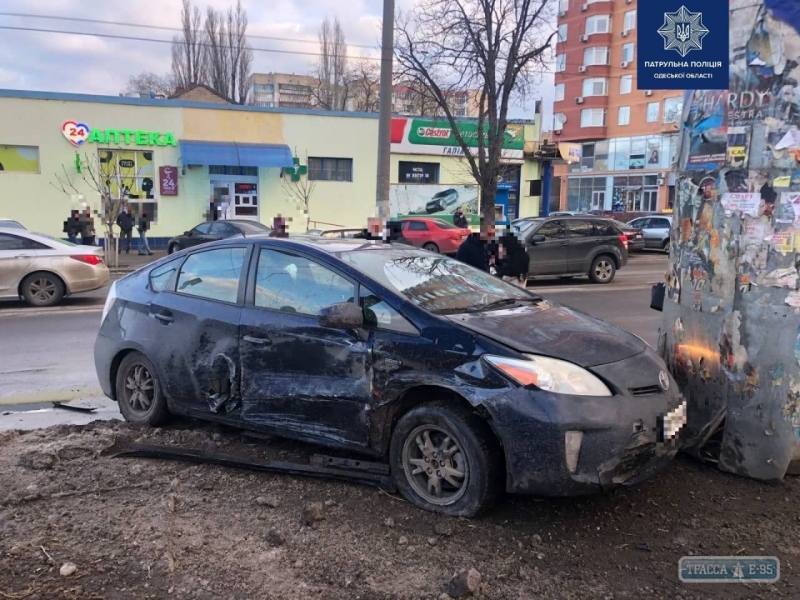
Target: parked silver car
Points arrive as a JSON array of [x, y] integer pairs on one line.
[[656, 230]]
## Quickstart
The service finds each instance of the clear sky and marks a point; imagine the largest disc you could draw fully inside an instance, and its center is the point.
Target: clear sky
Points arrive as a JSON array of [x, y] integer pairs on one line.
[[81, 64]]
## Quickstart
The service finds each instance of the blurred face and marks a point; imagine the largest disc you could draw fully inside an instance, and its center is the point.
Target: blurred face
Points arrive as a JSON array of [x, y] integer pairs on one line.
[[374, 226]]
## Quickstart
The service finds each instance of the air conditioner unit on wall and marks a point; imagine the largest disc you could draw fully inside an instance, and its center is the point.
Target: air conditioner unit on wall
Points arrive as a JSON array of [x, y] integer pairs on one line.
[[660, 181], [582, 69], [584, 38], [628, 1], [625, 33], [648, 93], [557, 132], [625, 64], [584, 7], [579, 100]]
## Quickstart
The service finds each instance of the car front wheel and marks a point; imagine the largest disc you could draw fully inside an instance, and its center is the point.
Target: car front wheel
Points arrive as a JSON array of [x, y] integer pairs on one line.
[[603, 269], [139, 392], [443, 460]]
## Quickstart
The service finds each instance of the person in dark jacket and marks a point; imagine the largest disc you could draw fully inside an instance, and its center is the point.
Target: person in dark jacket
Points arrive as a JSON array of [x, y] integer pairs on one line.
[[72, 226], [87, 228], [142, 227], [125, 223], [472, 251], [515, 261], [459, 220]]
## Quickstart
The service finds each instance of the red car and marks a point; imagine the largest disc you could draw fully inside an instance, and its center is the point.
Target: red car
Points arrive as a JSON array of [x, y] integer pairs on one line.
[[434, 235]]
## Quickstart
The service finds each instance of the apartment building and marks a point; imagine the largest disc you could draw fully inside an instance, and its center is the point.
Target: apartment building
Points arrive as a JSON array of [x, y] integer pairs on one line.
[[628, 136], [282, 90]]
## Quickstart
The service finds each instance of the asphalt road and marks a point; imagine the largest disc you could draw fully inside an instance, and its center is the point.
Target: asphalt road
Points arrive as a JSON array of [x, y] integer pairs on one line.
[[46, 355]]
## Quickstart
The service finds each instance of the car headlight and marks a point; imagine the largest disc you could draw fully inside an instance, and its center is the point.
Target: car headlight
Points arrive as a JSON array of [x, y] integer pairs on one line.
[[674, 421], [550, 374]]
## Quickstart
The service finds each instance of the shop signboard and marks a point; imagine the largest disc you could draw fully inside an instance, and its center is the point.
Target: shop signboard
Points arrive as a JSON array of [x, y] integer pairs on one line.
[[439, 201], [78, 133], [435, 137], [168, 181]]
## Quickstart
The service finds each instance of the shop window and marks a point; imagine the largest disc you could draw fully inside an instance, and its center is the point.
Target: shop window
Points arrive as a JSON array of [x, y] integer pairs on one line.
[[417, 172], [239, 171], [587, 157], [330, 169], [19, 159], [128, 174], [653, 153], [601, 155], [650, 200]]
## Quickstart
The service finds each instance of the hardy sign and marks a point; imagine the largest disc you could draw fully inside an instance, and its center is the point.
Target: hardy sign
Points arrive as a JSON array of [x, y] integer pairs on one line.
[[682, 45], [78, 133]]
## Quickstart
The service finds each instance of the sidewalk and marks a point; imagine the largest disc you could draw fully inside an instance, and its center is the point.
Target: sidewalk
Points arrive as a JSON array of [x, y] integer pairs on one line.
[[131, 262]]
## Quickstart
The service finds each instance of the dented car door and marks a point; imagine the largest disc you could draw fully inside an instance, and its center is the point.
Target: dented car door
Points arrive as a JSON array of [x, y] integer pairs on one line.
[[300, 379], [196, 325]]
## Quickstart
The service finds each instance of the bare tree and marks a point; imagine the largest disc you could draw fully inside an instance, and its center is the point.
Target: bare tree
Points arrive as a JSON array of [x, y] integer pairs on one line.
[[217, 56], [494, 46], [365, 84], [299, 188], [147, 82], [240, 54], [188, 49], [331, 70]]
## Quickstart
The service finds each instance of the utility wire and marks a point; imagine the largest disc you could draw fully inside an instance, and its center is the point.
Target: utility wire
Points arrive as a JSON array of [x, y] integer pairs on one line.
[[164, 28]]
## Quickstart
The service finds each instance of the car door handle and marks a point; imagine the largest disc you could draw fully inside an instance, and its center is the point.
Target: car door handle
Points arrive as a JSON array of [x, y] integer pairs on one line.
[[257, 340], [24, 256], [164, 318]]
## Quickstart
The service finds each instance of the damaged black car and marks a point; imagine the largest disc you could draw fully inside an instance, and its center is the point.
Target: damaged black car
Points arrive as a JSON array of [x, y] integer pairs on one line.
[[464, 384]]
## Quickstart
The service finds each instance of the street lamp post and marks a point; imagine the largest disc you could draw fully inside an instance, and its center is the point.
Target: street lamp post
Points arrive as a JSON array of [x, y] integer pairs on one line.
[[385, 122]]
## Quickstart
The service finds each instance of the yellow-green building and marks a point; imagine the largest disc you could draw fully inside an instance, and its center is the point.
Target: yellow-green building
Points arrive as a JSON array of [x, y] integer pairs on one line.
[[180, 161]]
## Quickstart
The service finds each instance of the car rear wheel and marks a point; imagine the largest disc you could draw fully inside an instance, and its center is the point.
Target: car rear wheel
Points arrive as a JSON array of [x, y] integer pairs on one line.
[[139, 393], [603, 269], [665, 247], [431, 247], [42, 289], [443, 460]]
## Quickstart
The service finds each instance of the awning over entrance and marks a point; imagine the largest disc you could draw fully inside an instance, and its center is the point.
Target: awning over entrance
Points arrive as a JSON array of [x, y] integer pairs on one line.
[[231, 154]]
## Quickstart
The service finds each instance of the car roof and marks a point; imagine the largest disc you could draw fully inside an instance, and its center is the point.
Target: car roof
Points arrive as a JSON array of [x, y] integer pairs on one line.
[[326, 245]]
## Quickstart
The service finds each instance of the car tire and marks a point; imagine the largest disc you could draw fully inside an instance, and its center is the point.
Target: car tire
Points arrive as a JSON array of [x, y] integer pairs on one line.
[[139, 393], [665, 247], [473, 454], [431, 247], [603, 269], [42, 289]]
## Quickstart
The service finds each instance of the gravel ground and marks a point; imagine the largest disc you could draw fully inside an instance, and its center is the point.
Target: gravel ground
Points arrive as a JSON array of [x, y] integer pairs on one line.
[[77, 525]]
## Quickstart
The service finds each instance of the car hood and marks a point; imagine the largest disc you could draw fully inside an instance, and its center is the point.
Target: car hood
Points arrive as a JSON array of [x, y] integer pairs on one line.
[[551, 329]]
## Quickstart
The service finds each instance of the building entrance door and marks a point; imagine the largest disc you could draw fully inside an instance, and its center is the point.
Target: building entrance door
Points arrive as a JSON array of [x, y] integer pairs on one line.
[[235, 200]]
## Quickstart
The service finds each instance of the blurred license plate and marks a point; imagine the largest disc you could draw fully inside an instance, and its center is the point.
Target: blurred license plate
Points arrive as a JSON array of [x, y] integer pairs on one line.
[[464, 236], [638, 236]]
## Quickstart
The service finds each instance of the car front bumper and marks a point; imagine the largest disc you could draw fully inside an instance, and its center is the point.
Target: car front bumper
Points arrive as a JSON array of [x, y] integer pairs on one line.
[[619, 435]]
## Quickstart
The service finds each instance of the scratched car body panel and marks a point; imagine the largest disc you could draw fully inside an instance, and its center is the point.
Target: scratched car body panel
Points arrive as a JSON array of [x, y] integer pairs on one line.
[[255, 333]]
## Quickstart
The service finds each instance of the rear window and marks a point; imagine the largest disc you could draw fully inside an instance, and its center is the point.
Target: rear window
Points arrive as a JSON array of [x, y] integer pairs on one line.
[[606, 228], [441, 224], [252, 227], [160, 276]]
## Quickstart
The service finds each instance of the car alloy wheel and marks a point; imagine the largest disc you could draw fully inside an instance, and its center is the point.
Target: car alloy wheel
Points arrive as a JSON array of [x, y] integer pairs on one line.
[[139, 391], [435, 465], [43, 289], [603, 269], [431, 247]]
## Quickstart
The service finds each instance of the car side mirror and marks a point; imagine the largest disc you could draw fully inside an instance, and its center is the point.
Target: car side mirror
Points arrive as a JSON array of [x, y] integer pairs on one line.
[[343, 315], [537, 238], [188, 233]]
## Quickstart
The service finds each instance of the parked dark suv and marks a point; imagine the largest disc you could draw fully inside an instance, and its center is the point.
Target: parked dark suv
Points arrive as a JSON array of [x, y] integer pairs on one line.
[[574, 246]]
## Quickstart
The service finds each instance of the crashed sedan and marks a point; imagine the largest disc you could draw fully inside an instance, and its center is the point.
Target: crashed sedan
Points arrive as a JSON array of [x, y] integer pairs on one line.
[[464, 384]]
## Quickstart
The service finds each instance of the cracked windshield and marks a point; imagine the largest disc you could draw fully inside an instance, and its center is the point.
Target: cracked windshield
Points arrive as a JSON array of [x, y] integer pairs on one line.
[[401, 299]]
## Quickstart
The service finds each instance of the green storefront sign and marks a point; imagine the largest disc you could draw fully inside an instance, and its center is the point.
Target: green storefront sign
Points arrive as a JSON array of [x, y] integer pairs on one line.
[[129, 137], [430, 132]]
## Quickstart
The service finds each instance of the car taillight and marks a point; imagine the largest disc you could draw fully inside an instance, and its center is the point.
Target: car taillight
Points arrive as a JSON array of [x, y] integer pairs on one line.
[[624, 240], [455, 237], [630, 234], [89, 259]]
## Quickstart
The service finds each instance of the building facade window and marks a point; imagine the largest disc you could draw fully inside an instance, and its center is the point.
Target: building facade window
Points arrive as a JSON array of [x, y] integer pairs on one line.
[[630, 20], [563, 6], [586, 193], [595, 86], [673, 108], [593, 117], [237, 171], [559, 92], [597, 55], [561, 63], [264, 87], [624, 115], [417, 172], [19, 159], [626, 84], [598, 24], [562, 32], [652, 111], [627, 52], [128, 174], [330, 169]]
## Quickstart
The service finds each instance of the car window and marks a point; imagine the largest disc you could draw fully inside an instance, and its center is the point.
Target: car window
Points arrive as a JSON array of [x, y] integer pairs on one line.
[[203, 228], [380, 315], [14, 242], [298, 285], [554, 230], [213, 274], [581, 229], [11, 225], [252, 227], [417, 226], [160, 276], [638, 223], [659, 224], [218, 228], [442, 224], [606, 229]]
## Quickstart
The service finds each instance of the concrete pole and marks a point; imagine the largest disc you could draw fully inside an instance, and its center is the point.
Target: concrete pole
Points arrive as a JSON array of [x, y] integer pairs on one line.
[[731, 328], [385, 123], [547, 177]]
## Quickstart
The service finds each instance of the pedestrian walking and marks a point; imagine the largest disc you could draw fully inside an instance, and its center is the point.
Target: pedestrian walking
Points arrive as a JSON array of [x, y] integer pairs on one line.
[[125, 222], [87, 227], [142, 227], [459, 219], [72, 226], [472, 251], [514, 263]]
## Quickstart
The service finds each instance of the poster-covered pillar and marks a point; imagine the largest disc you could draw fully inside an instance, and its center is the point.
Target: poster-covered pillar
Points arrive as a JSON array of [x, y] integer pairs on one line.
[[731, 329]]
